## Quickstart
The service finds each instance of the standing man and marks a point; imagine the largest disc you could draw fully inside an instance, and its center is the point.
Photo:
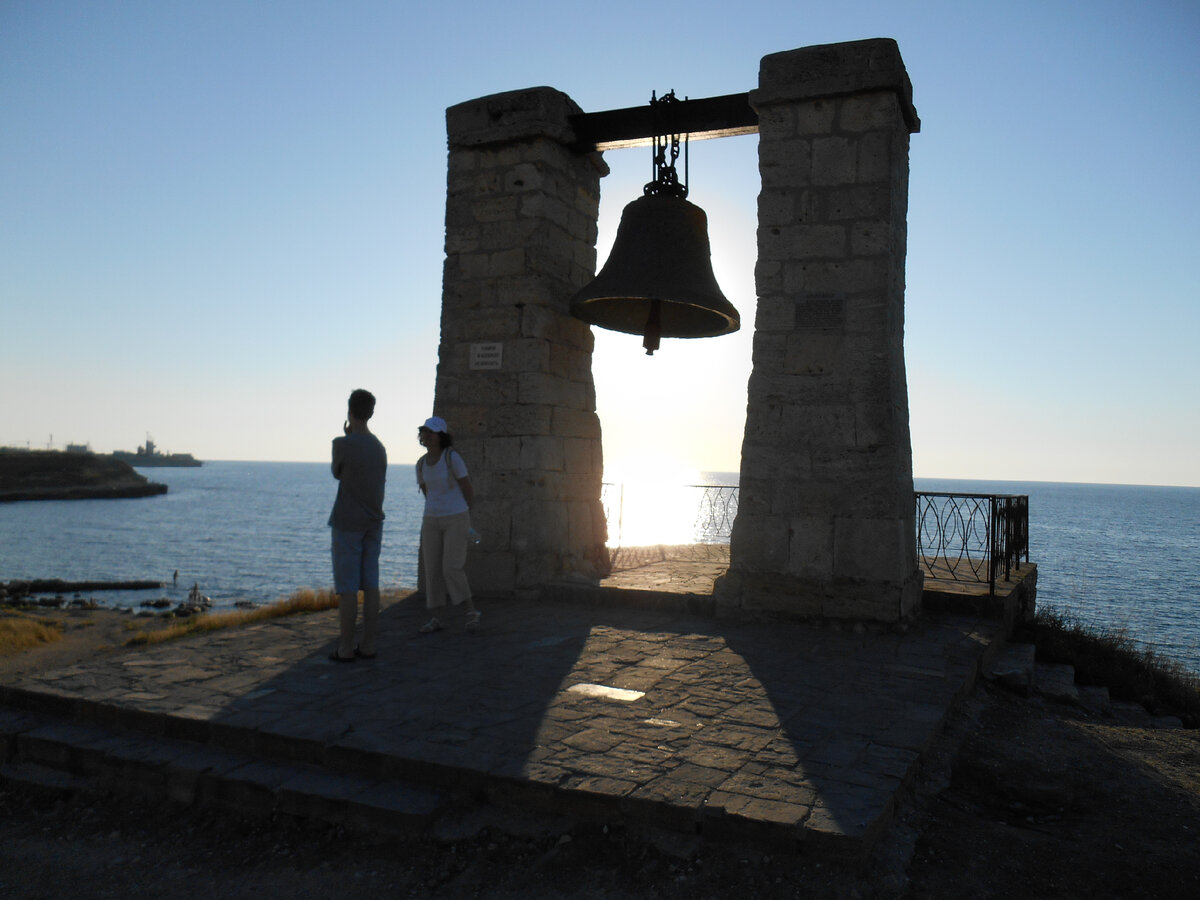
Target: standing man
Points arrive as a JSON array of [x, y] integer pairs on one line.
[[360, 466]]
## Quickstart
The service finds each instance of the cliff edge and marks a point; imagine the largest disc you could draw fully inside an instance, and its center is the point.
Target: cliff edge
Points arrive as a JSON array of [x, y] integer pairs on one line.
[[53, 475]]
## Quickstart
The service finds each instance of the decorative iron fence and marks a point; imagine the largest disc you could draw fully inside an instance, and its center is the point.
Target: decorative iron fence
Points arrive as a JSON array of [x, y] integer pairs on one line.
[[960, 537], [972, 537], [644, 523]]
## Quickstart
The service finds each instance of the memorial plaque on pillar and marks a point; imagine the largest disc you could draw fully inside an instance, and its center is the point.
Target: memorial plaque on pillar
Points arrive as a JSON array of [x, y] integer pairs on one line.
[[487, 356], [820, 313]]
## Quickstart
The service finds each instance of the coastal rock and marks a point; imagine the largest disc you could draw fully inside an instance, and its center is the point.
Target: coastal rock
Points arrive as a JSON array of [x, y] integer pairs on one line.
[[52, 475]]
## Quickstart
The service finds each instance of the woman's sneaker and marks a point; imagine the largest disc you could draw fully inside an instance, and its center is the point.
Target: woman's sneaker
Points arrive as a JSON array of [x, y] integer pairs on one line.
[[473, 620], [431, 626]]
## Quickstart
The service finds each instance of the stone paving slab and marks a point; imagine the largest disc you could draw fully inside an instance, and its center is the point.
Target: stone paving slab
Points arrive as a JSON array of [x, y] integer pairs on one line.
[[781, 731]]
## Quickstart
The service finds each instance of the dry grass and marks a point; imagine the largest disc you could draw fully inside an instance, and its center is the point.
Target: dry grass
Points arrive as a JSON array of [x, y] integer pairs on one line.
[[19, 632], [1112, 658], [303, 601]]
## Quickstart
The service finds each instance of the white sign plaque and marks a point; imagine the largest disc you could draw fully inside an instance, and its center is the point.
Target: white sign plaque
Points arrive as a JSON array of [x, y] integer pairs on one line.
[[487, 356]]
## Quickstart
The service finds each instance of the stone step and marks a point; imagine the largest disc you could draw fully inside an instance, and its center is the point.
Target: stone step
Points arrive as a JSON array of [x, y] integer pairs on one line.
[[1056, 681], [1014, 667], [66, 757]]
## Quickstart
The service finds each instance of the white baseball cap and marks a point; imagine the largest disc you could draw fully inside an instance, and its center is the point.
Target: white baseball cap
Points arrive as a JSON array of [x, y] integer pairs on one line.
[[436, 423]]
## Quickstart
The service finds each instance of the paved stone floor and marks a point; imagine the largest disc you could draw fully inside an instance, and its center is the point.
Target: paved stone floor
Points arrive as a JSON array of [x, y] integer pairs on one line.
[[786, 732]]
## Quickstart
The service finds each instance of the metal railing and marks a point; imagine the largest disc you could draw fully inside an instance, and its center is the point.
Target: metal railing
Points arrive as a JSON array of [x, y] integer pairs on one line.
[[695, 529], [960, 537], [972, 537]]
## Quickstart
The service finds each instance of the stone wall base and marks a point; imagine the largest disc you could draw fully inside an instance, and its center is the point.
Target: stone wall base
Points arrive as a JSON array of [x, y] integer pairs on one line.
[[739, 593]]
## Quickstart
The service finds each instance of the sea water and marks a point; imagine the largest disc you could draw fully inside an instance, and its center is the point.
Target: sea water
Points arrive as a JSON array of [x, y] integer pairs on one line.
[[1110, 555], [1113, 556], [240, 531]]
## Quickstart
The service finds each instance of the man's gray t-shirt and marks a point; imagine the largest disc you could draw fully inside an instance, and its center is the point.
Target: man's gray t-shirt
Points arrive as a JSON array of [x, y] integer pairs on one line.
[[360, 465]]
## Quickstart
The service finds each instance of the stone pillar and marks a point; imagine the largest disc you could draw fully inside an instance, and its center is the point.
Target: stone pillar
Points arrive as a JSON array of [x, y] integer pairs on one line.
[[514, 378], [825, 526]]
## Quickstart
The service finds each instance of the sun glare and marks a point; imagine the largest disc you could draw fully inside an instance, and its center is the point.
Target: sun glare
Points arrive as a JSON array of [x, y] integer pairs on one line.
[[650, 505]]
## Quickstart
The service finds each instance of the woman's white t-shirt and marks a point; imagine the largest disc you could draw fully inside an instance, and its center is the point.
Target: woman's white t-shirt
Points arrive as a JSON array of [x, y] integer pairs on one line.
[[443, 496]]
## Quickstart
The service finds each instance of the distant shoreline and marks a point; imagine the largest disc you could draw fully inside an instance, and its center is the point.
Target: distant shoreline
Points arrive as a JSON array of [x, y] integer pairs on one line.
[[52, 475]]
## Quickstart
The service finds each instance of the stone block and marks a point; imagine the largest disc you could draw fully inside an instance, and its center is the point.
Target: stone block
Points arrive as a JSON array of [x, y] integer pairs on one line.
[[761, 541], [575, 423], [878, 154], [869, 238], [814, 353], [471, 265], [835, 70], [873, 111], [581, 486], [526, 355], [785, 163], [539, 320], [846, 276], [570, 362], [506, 119], [777, 593], [778, 121], [775, 311], [779, 208], [769, 353], [876, 425], [536, 567], [579, 455], [834, 161], [542, 453], [792, 242], [542, 389], [539, 207], [480, 388], [502, 454], [581, 522], [815, 117], [810, 549], [870, 313], [862, 201], [539, 525], [495, 209], [873, 601], [872, 549]]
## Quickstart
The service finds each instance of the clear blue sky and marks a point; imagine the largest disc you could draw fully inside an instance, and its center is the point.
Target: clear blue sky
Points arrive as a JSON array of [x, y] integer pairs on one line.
[[217, 218]]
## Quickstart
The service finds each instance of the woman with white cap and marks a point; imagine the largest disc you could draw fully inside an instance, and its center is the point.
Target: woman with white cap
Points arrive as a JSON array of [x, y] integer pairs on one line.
[[443, 479]]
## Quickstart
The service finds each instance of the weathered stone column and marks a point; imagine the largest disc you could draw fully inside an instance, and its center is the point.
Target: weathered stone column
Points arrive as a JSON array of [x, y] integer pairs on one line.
[[826, 520], [514, 376]]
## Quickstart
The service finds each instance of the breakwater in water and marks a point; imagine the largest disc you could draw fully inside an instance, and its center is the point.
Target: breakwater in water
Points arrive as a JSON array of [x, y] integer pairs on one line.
[[51, 475]]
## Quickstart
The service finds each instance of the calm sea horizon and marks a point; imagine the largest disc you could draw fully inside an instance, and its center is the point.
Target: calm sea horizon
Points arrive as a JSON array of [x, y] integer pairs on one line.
[[1113, 556]]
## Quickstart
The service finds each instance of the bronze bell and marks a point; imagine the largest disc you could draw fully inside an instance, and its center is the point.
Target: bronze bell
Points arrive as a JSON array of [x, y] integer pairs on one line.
[[658, 281]]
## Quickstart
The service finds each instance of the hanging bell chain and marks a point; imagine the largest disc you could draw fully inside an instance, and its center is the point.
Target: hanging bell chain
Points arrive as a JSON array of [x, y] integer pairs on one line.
[[666, 179]]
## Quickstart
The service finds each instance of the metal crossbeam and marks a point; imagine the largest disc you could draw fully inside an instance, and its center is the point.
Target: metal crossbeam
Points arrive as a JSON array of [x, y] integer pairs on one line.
[[710, 117]]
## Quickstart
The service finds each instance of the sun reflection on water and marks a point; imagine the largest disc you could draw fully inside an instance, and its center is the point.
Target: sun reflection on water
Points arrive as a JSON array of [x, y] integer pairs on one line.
[[647, 508]]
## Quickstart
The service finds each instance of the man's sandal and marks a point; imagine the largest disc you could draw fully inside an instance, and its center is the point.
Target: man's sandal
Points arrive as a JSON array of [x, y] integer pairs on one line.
[[473, 620], [431, 626]]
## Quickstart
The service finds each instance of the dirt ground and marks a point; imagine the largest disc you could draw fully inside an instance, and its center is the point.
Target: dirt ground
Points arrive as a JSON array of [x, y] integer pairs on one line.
[[1022, 797]]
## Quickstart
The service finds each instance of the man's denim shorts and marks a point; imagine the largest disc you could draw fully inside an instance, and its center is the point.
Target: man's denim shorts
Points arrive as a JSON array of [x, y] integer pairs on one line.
[[356, 559]]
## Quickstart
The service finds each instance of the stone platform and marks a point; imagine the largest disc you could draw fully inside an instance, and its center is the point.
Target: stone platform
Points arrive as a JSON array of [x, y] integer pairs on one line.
[[573, 705]]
